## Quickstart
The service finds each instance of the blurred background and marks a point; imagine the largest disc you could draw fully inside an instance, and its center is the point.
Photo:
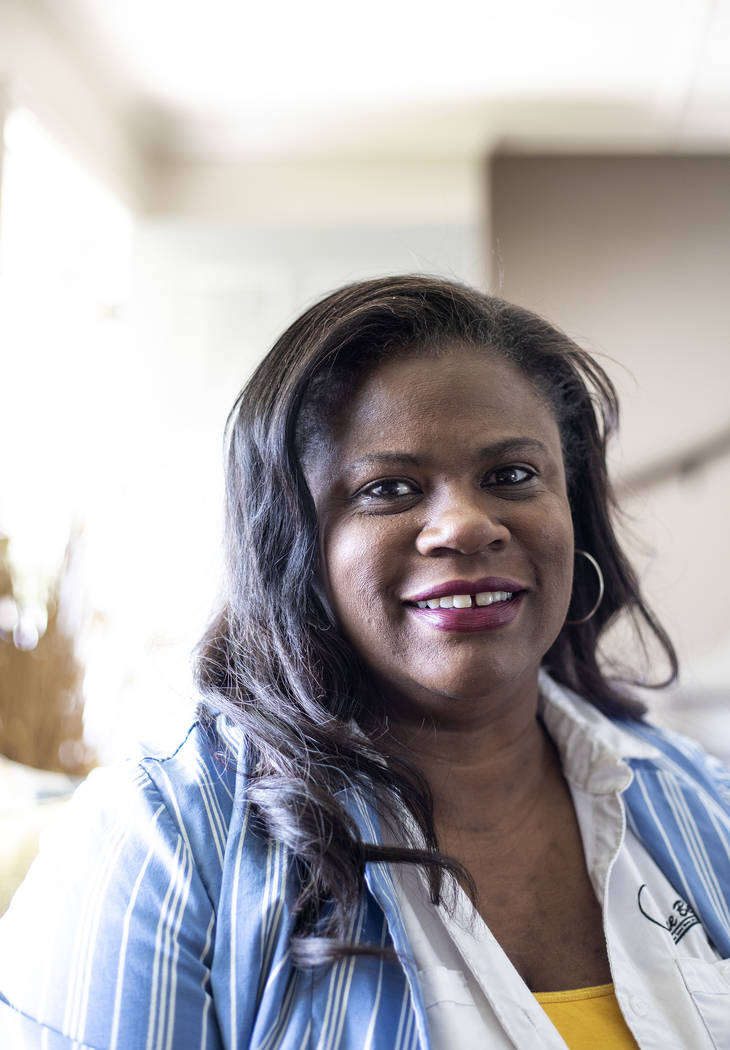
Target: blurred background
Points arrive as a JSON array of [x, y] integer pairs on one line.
[[178, 180]]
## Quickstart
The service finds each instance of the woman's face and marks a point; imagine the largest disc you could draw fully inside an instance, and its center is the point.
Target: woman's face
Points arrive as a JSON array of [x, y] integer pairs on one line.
[[446, 535]]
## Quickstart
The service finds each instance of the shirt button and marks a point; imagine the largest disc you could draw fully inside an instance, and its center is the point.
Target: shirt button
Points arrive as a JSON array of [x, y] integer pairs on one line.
[[639, 1006]]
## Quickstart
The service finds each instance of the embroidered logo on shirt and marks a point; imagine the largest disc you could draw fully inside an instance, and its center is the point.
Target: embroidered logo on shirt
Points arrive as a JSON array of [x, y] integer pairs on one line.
[[680, 920]]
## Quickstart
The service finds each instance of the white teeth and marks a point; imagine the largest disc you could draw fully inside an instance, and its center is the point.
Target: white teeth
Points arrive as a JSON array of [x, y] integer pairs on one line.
[[463, 601], [487, 597]]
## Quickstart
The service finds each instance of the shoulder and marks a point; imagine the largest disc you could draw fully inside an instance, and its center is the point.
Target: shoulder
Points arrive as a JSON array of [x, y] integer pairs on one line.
[[113, 933], [678, 756], [181, 799], [199, 783], [651, 750]]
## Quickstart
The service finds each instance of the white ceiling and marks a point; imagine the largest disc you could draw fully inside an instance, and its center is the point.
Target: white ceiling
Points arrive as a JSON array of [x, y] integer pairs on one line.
[[221, 78]]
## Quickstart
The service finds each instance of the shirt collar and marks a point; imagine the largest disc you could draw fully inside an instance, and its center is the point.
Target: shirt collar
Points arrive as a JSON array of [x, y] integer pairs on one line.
[[593, 749]]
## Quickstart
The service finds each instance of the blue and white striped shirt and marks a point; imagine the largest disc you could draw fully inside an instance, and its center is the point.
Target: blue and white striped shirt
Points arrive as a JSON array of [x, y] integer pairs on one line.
[[157, 916]]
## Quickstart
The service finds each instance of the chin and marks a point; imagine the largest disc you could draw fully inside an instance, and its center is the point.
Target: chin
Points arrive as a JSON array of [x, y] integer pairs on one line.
[[445, 696]]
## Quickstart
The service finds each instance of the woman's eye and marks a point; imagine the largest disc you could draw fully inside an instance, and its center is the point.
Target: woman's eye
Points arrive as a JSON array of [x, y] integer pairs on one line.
[[390, 488], [510, 476]]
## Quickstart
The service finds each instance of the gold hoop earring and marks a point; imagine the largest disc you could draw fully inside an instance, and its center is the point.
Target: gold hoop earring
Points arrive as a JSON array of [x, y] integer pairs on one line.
[[601, 589]]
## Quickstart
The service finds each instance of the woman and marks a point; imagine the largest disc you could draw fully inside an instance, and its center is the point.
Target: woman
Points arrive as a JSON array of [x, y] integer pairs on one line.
[[415, 811]]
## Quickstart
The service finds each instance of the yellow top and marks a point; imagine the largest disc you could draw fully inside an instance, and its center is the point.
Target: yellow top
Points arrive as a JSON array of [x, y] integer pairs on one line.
[[588, 1018]]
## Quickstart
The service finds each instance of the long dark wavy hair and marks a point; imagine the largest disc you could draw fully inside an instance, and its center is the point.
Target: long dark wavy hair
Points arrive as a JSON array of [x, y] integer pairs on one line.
[[274, 661]]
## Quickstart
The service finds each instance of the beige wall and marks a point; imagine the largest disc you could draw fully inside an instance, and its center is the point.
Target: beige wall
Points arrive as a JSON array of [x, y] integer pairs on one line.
[[631, 255], [74, 98]]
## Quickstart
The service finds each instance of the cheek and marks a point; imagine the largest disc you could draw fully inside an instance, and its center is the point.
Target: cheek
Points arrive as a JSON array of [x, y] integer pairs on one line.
[[564, 574], [558, 537], [359, 575], [553, 538]]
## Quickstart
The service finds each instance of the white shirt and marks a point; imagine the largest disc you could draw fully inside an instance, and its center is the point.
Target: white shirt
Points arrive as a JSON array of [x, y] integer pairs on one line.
[[664, 969]]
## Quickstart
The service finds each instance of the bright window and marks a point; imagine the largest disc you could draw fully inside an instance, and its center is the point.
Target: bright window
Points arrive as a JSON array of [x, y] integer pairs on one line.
[[64, 263]]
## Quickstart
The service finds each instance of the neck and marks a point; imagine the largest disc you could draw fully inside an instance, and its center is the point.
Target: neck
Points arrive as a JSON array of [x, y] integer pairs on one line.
[[483, 777]]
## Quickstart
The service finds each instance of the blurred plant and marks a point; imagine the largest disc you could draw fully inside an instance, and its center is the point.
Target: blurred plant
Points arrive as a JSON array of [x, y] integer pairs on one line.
[[41, 677]]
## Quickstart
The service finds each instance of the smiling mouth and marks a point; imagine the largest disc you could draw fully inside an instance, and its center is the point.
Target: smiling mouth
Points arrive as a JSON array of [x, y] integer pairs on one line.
[[465, 610], [464, 601]]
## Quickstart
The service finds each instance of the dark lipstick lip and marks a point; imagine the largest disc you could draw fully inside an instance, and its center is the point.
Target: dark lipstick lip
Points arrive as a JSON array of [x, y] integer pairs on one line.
[[492, 617], [487, 583]]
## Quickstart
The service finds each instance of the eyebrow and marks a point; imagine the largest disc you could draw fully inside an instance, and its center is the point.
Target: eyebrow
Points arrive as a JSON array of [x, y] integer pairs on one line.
[[496, 448]]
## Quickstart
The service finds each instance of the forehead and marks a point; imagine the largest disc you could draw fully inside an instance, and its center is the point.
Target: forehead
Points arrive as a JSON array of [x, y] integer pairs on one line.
[[449, 392]]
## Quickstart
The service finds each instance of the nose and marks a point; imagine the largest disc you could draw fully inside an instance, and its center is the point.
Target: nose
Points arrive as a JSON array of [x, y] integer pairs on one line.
[[464, 524]]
